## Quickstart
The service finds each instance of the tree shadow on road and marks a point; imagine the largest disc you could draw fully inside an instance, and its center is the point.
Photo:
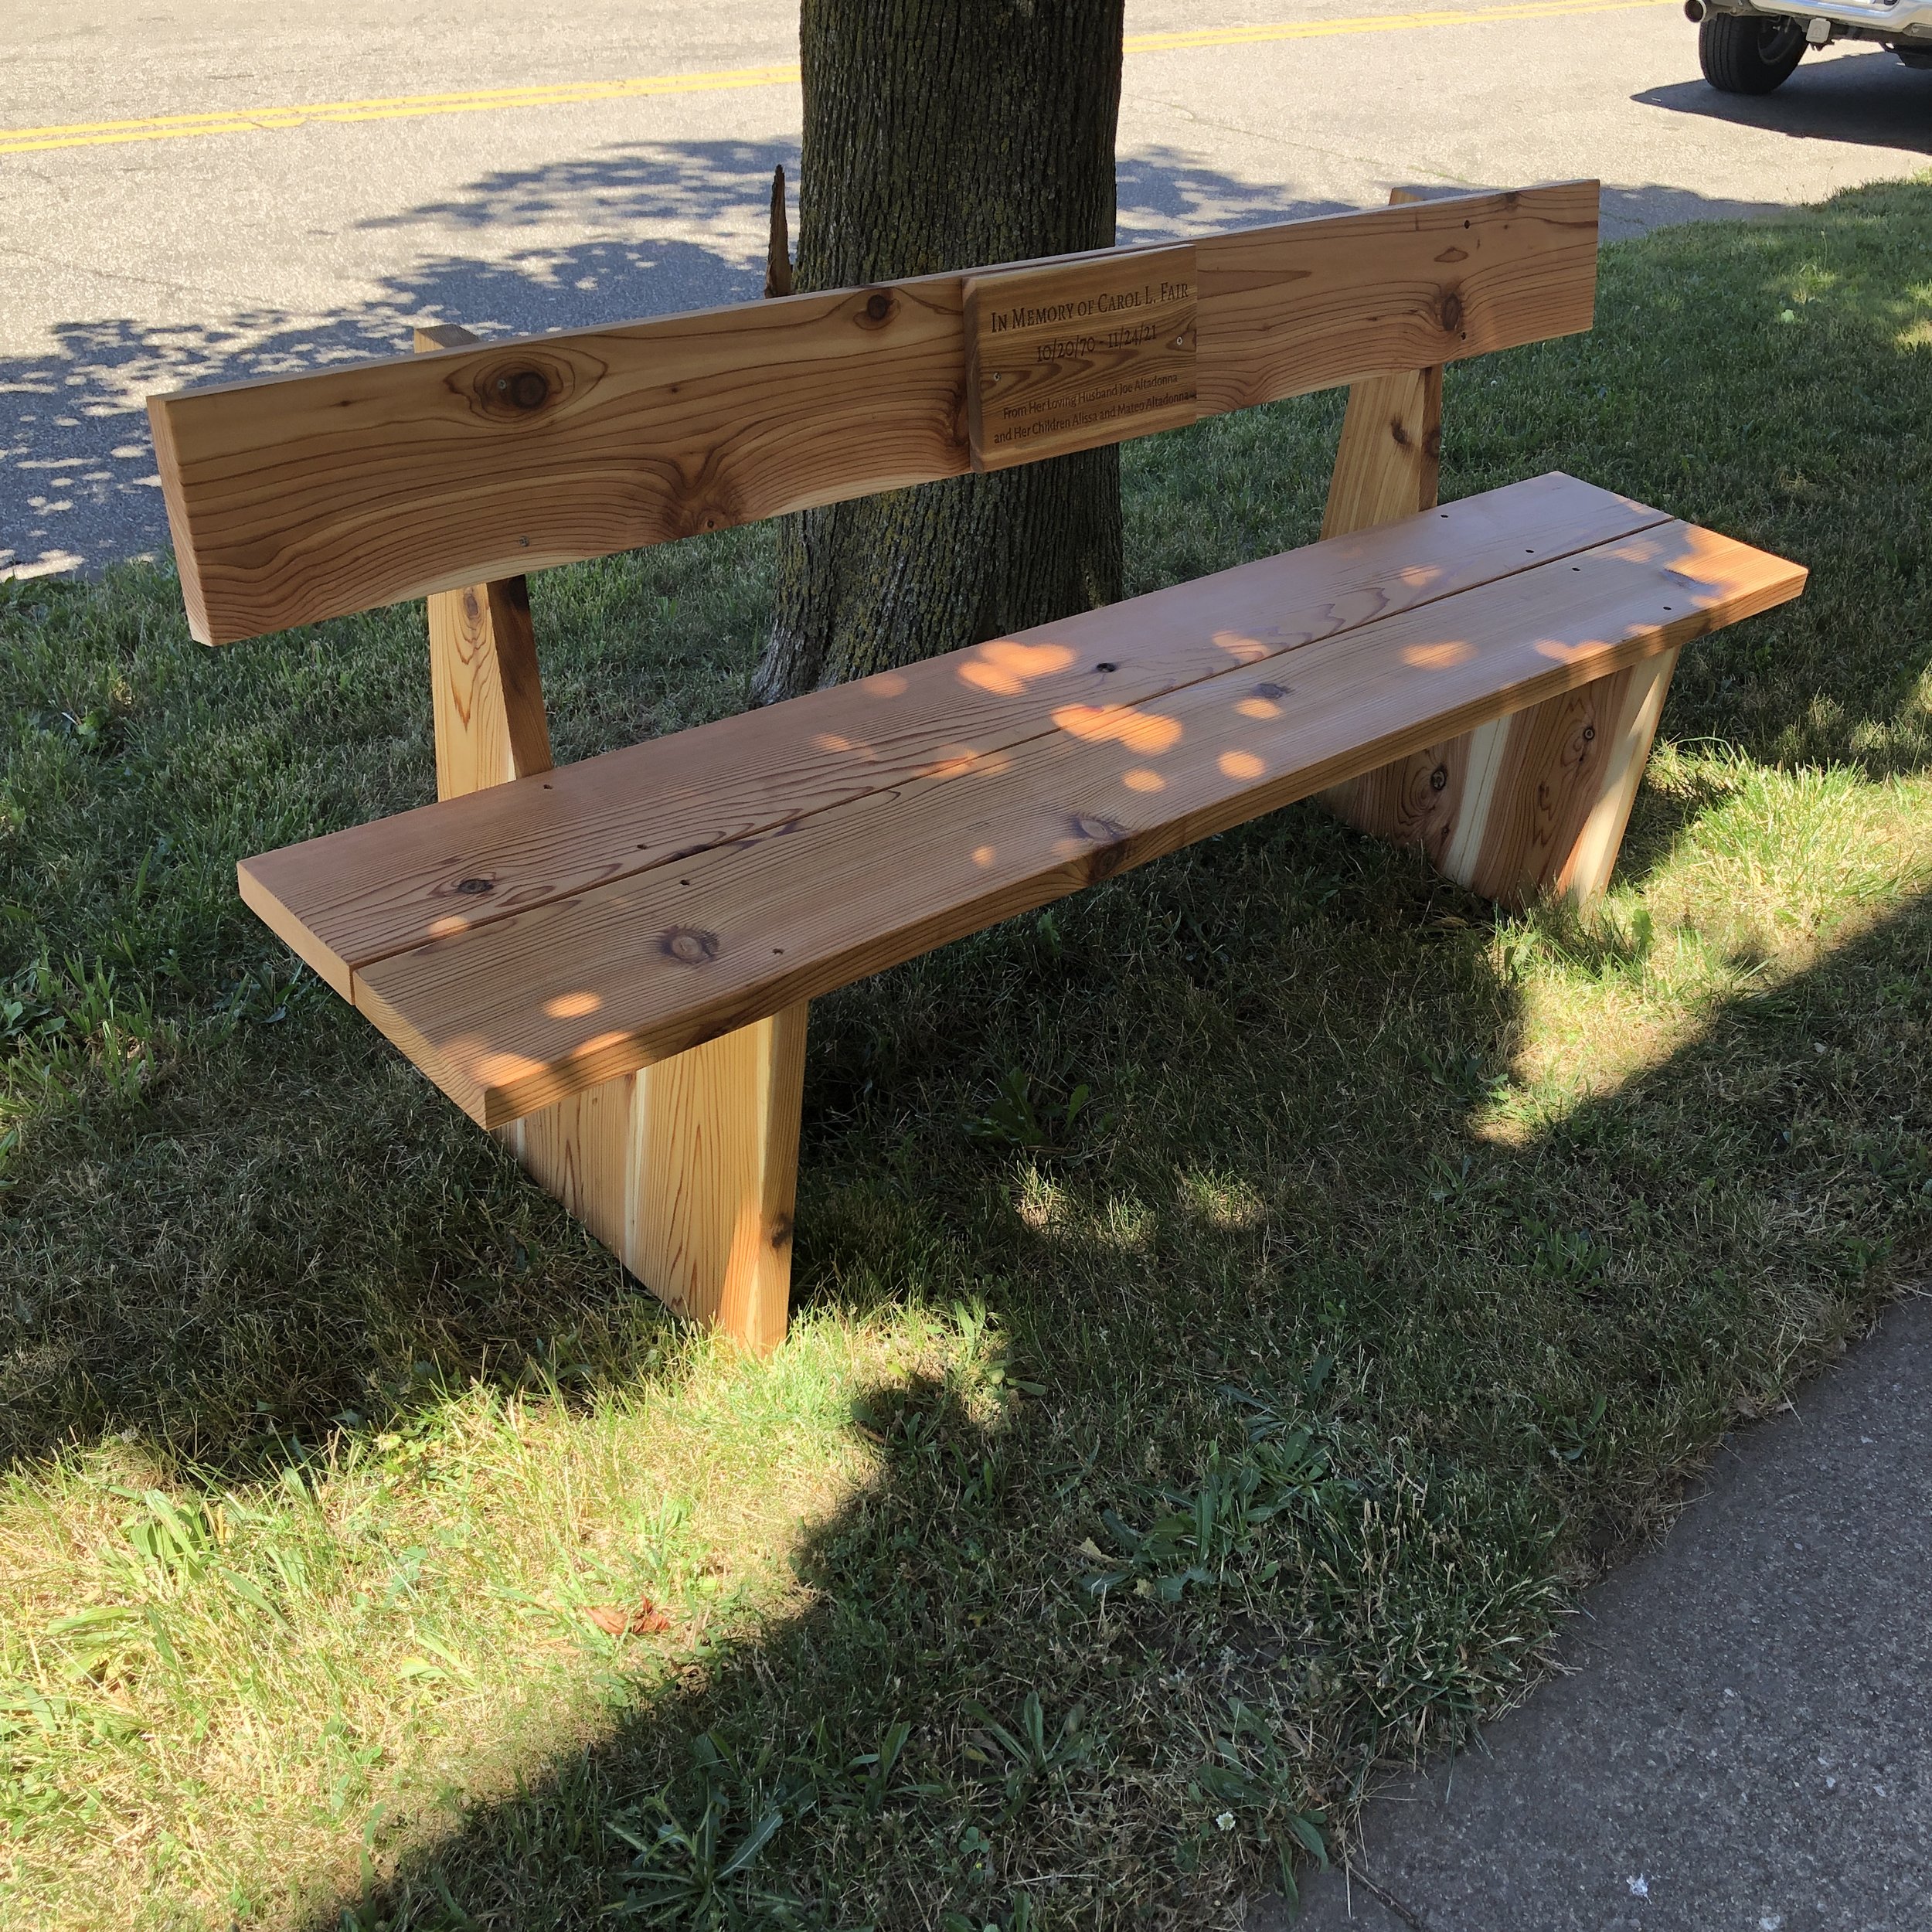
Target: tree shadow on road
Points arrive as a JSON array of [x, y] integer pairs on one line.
[[682, 226]]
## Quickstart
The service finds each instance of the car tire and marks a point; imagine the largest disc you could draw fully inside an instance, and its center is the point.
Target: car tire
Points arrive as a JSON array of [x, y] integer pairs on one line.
[[1745, 53]]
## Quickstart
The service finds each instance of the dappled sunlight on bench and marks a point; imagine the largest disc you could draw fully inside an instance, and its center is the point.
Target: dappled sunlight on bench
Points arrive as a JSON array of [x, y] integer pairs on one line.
[[1005, 667]]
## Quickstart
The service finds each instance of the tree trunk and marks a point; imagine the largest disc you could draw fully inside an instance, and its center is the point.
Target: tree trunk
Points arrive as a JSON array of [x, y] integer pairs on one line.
[[942, 135]]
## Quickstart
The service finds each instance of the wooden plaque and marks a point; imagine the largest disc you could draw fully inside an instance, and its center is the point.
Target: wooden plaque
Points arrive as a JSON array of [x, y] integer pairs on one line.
[[1074, 354]]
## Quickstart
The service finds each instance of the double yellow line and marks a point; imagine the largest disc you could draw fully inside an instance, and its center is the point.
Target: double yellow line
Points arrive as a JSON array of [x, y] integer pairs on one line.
[[256, 121]]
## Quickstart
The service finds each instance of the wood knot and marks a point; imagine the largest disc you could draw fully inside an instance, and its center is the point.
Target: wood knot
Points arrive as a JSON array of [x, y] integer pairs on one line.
[[1095, 829], [880, 307], [1439, 778], [1273, 693], [470, 887], [781, 1232], [516, 384], [1449, 313], [690, 943]]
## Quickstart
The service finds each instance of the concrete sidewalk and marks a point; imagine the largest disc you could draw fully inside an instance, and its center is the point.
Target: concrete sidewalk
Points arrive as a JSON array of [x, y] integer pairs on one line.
[[1746, 1743]]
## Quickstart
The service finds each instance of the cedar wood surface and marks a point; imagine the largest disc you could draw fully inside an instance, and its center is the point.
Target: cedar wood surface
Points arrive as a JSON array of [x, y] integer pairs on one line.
[[513, 1014], [371, 890], [1536, 801], [298, 498], [485, 690]]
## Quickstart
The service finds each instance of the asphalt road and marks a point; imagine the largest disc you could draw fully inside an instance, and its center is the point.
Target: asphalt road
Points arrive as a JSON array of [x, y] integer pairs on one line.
[[141, 258]]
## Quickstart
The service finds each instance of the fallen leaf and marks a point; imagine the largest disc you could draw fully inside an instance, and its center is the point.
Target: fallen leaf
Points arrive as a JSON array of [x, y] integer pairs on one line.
[[645, 1620]]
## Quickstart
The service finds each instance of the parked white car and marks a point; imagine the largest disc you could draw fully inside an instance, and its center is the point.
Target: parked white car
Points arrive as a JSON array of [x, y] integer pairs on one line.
[[1750, 46]]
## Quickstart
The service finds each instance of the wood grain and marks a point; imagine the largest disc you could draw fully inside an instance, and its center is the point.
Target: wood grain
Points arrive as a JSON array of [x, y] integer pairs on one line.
[[485, 689], [1527, 803], [370, 891], [1387, 463], [715, 1167], [1545, 793], [519, 1013], [1532, 803], [1387, 466], [1283, 309], [484, 686], [294, 499], [688, 1172]]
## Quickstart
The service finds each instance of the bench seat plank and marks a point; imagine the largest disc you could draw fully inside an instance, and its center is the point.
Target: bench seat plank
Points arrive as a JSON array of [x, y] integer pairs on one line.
[[348, 900], [539, 1005]]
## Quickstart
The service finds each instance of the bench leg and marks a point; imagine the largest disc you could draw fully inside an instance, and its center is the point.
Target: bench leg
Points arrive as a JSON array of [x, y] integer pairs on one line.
[[1536, 802], [688, 1172], [1391, 449], [1533, 803]]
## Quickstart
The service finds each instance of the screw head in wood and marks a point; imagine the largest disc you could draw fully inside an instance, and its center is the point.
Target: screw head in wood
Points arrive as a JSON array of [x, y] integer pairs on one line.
[[528, 389]]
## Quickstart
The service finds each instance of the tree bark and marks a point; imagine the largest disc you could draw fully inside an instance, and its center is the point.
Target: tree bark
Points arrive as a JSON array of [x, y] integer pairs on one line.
[[944, 135]]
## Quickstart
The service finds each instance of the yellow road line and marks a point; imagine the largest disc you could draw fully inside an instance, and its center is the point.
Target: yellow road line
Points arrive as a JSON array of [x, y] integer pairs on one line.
[[1377, 23], [249, 120]]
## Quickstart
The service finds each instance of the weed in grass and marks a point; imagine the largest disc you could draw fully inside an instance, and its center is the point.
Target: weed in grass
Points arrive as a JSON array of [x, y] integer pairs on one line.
[[1014, 1117], [1425, 1252]]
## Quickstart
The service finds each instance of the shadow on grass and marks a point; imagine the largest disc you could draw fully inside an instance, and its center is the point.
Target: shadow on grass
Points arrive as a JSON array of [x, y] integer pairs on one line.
[[1490, 1350]]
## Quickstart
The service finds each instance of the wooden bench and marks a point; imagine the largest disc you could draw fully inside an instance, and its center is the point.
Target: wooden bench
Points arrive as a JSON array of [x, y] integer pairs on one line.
[[611, 961]]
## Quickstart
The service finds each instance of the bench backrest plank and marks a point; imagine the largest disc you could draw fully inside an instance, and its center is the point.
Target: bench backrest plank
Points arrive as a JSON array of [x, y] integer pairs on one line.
[[294, 499]]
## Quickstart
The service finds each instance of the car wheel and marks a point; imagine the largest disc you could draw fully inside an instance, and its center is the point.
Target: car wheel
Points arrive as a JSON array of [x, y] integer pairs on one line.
[[1743, 54]]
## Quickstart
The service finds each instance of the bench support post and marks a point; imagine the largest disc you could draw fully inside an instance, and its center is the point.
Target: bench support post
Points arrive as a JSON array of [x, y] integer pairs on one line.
[[687, 1171], [1533, 803], [1536, 802]]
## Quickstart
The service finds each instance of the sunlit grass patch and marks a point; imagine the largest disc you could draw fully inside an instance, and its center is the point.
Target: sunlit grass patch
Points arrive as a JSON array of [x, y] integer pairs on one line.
[[1771, 869], [283, 1678]]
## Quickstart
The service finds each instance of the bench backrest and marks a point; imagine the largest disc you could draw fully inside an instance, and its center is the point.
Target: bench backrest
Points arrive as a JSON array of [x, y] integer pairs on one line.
[[294, 499]]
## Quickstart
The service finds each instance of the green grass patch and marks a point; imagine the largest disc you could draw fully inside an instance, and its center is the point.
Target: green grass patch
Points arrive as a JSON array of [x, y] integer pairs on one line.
[[1146, 1464]]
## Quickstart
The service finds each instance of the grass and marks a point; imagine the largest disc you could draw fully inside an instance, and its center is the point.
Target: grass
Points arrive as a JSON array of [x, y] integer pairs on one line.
[[1145, 1466]]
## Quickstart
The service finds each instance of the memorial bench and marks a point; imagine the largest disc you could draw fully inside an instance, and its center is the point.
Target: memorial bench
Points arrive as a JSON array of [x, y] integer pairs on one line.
[[610, 962]]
